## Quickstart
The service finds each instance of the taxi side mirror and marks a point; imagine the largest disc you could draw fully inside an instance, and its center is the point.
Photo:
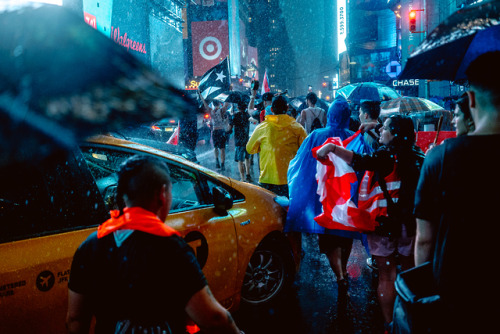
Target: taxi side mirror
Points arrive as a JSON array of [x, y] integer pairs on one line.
[[223, 200]]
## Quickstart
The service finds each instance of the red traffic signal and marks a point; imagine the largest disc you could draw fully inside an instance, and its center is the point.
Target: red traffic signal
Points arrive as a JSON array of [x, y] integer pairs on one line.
[[412, 16]]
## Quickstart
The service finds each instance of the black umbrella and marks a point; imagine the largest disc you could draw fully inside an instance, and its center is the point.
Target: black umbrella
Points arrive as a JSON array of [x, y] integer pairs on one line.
[[61, 81], [449, 49], [299, 103], [236, 97], [372, 91]]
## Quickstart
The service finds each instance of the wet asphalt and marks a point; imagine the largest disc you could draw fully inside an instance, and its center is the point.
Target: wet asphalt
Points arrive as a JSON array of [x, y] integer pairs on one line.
[[312, 305]]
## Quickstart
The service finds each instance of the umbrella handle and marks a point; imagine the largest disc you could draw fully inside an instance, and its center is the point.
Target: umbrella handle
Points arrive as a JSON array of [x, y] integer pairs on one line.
[[440, 122]]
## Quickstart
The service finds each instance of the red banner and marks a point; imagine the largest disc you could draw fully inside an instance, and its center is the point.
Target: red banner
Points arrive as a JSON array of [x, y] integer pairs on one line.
[[210, 44], [425, 138]]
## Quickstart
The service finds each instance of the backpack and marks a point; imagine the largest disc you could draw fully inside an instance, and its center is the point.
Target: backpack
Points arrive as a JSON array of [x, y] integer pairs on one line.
[[316, 124]]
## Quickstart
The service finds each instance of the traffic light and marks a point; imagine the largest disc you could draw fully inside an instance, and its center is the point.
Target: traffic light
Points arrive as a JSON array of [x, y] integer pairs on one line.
[[412, 16], [324, 84]]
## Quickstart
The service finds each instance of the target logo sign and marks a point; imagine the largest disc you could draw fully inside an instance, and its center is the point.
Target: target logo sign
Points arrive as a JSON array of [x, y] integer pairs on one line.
[[210, 44], [210, 48]]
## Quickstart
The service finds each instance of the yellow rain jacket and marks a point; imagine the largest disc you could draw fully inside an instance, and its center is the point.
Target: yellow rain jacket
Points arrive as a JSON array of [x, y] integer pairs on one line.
[[277, 139]]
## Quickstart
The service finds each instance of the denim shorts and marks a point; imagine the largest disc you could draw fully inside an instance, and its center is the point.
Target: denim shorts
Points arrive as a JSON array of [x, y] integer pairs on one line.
[[240, 153]]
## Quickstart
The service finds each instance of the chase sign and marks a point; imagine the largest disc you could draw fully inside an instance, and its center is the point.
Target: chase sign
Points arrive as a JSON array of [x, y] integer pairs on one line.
[[409, 82]]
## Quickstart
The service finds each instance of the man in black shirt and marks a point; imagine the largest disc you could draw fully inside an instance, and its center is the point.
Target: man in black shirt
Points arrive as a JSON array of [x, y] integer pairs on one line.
[[455, 206], [137, 271], [241, 124]]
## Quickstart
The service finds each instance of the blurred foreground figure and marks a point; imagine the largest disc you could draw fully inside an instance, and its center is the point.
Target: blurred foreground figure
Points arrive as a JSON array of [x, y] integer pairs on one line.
[[454, 205], [136, 272]]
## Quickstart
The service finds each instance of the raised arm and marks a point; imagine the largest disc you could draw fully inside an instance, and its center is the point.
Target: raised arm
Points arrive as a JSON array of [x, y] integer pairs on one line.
[[341, 152], [205, 104]]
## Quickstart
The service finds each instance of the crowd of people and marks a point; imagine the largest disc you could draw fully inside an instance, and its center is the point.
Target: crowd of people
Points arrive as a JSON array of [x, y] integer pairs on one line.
[[437, 210]]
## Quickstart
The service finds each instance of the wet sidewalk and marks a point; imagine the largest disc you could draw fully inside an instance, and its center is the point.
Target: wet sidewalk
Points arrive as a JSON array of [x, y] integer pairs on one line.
[[313, 307]]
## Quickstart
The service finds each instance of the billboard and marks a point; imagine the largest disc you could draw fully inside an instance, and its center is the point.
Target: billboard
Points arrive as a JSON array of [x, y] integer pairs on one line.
[[210, 42]]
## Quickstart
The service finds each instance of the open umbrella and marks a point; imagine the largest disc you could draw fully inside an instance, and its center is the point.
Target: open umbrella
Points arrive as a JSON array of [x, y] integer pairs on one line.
[[61, 81], [299, 103], [236, 97], [450, 48], [355, 93], [408, 104]]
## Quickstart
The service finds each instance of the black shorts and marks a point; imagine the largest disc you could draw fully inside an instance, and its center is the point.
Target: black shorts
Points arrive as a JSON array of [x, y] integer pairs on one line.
[[219, 138], [328, 242], [240, 153]]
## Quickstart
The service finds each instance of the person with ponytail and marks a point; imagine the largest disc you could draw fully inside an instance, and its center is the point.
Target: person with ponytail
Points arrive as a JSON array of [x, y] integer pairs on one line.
[[395, 166]]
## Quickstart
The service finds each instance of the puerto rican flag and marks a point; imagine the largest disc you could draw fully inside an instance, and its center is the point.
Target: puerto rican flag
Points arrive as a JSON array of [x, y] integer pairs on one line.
[[350, 201], [265, 84]]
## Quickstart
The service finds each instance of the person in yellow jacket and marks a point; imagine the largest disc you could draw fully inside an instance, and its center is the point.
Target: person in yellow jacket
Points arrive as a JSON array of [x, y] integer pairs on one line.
[[277, 139]]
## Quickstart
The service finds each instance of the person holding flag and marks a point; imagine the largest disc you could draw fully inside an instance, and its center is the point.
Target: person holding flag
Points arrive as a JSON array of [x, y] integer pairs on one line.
[[305, 202], [386, 196], [214, 82]]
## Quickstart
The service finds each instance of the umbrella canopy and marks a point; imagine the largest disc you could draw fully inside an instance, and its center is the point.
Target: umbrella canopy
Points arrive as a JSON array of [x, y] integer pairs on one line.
[[408, 104], [236, 97], [450, 48], [62, 81], [299, 103], [355, 93]]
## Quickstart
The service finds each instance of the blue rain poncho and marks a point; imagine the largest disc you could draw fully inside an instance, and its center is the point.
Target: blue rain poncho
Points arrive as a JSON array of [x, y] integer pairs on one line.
[[304, 202]]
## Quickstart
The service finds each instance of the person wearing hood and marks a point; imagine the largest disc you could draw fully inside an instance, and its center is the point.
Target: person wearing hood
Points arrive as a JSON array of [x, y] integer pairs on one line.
[[277, 139], [304, 201]]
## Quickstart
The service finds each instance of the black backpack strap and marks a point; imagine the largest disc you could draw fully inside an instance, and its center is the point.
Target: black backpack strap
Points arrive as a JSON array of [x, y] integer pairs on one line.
[[387, 196]]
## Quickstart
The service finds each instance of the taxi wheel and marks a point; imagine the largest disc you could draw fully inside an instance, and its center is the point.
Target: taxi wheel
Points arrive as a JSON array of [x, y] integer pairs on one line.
[[267, 274]]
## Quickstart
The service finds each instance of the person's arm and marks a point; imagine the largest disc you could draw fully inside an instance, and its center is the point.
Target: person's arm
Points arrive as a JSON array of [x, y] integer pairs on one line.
[[424, 242], [341, 152], [224, 108], [253, 144], [79, 315], [251, 104], [205, 104], [209, 315], [368, 126], [302, 118]]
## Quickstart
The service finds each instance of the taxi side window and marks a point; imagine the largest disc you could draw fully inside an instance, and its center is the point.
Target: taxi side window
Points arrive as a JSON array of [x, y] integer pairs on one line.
[[236, 195], [186, 193], [103, 164], [52, 196]]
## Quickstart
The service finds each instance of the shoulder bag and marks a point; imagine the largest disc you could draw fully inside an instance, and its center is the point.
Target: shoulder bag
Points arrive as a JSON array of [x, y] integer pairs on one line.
[[417, 302]]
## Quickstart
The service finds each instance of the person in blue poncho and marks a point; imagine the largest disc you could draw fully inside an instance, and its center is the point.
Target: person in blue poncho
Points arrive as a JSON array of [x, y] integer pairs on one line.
[[304, 202]]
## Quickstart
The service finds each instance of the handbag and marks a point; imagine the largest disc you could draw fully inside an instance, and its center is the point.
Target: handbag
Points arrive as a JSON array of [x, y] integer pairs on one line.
[[417, 302]]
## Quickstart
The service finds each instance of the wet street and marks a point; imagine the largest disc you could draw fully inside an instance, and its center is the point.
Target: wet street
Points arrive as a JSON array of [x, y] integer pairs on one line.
[[312, 306]]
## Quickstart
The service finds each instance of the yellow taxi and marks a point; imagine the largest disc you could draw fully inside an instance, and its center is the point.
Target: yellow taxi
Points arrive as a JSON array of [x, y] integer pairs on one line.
[[47, 209]]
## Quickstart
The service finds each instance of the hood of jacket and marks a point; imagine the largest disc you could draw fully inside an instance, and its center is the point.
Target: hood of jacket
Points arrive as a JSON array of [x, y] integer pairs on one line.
[[280, 121], [338, 114]]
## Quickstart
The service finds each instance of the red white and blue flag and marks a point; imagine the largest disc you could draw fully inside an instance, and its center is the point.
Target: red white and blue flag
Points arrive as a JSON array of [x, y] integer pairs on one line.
[[349, 202], [265, 84]]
